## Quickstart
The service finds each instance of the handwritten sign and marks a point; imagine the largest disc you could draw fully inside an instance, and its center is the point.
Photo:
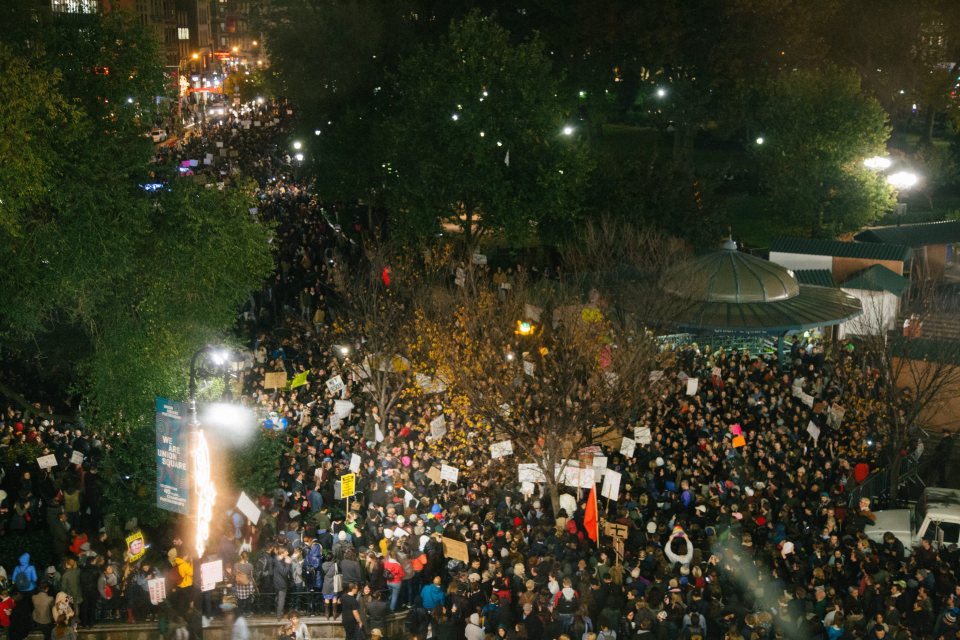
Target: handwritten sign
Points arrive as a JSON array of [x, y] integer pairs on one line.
[[348, 485], [628, 447], [76, 458], [434, 475], [643, 435], [157, 590], [501, 449], [449, 474], [814, 431], [693, 385], [530, 472], [354, 462], [455, 549], [335, 385], [210, 574], [438, 427], [47, 462], [611, 485], [136, 546]]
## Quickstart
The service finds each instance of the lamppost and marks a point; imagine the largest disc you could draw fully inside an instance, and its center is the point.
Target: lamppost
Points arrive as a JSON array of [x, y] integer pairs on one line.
[[902, 181], [212, 361]]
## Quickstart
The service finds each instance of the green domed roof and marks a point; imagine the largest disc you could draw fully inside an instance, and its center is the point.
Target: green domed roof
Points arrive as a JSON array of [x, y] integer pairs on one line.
[[728, 275]]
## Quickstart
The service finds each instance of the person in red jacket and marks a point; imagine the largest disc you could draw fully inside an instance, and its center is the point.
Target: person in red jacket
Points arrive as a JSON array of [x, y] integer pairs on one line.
[[6, 607]]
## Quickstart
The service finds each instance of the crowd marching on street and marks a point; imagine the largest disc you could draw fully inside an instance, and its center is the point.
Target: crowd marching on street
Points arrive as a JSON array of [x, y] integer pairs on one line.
[[721, 542]]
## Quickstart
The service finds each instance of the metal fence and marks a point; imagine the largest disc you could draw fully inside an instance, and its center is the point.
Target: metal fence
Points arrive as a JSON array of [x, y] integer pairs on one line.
[[876, 486]]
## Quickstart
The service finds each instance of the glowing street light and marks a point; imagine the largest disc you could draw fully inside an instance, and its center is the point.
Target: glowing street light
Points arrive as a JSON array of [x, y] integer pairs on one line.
[[297, 145], [877, 163], [661, 92], [299, 157], [902, 179], [568, 130], [759, 140]]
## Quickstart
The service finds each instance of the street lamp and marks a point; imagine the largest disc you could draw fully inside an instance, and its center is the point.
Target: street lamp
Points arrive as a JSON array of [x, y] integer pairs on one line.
[[297, 145], [877, 163], [902, 179], [661, 92], [568, 130]]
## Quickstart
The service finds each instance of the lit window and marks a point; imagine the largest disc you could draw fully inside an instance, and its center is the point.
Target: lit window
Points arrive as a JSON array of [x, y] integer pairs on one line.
[[183, 33]]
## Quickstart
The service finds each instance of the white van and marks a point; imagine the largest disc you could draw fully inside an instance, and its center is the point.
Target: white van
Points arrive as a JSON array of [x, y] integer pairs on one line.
[[935, 517]]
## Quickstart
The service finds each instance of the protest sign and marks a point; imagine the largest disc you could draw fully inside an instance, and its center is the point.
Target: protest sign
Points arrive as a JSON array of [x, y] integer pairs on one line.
[[531, 312], [599, 462], [693, 384], [814, 431], [611, 485], [47, 462], [438, 427], [739, 441], [568, 503], [429, 385], [806, 399], [479, 259], [354, 463], [76, 457], [335, 384], [643, 435], [606, 436], [455, 549], [377, 433], [501, 449], [628, 446], [656, 376], [527, 488], [275, 380], [158, 590], [210, 574], [529, 368], [736, 429], [342, 408], [449, 474], [348, 485], [530, 472], [248, 508], [434, 475], [136, 546]]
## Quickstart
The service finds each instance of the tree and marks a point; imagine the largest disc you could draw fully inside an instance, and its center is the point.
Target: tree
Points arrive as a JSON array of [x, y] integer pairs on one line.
[[817, 129], [536, 364], [477, 138]]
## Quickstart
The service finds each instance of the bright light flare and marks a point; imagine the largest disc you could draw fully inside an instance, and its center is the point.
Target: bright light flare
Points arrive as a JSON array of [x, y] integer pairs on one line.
[[661, 93], [297, 145], [524, 328], [231, 424], [903, 179], [299, 157], [760, 140], [220, 356], [204, 489], [877, 163], [568, 130]]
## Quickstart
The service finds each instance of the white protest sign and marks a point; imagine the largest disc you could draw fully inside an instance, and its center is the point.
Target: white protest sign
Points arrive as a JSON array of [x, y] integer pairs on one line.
[[693, 384], [157, 589], [501, 449], [210, 574], [248, 508], [656, 376], [342, 408], [438, 427], [529, 368], [527, 488], [76, 458], [354, 463], [599, 462], [335, 384], [611, 485], [628, 446], [479, 259], [806, 399], [814, 431], [47, 462], [449, 474], [642, 435], [377, 433], [588, 478], [568, 503], [530, 472]]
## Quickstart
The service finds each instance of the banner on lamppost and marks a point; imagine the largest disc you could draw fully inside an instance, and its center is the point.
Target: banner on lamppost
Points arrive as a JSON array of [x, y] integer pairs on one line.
[[173, 487]]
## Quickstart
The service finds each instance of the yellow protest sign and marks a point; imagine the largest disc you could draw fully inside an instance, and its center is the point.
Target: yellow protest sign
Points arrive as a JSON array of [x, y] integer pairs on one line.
[[348, 485], [136, 546]]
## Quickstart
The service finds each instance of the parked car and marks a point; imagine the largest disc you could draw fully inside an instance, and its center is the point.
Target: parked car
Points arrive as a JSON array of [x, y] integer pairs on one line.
[[158, 134], [935, 517]]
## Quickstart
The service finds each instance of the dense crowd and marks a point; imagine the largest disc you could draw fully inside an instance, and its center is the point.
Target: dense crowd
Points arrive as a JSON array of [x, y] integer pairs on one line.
[[755, 542]]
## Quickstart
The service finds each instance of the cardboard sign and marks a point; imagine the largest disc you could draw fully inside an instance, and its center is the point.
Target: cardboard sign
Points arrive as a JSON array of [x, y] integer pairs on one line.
[[455, 549], [449, 474], [76, 458], [438, 427], [434, 475], [157, 589], [693, 385], [136, 546], [501, 449], [335, 385], [47, 462], [354, 463], [611, 485], [739, 441], [530, 472], [210, 574], [248, 508], [275, 380], [606, 436], [348, 485], [814, 431], [628, 446]]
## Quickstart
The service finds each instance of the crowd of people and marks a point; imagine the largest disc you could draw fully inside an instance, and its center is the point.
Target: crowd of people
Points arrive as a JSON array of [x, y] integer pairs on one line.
[[722, 541]]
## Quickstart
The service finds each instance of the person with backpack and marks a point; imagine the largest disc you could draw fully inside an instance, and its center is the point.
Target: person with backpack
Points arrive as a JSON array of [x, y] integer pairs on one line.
[[24, 576], [566, 603]]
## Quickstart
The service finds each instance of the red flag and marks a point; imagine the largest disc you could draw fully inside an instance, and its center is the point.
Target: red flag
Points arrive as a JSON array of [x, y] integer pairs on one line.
[[591, 521]]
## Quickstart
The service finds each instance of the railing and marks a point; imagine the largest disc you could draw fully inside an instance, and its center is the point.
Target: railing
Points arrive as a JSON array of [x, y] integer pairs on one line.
[[876, 486]]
